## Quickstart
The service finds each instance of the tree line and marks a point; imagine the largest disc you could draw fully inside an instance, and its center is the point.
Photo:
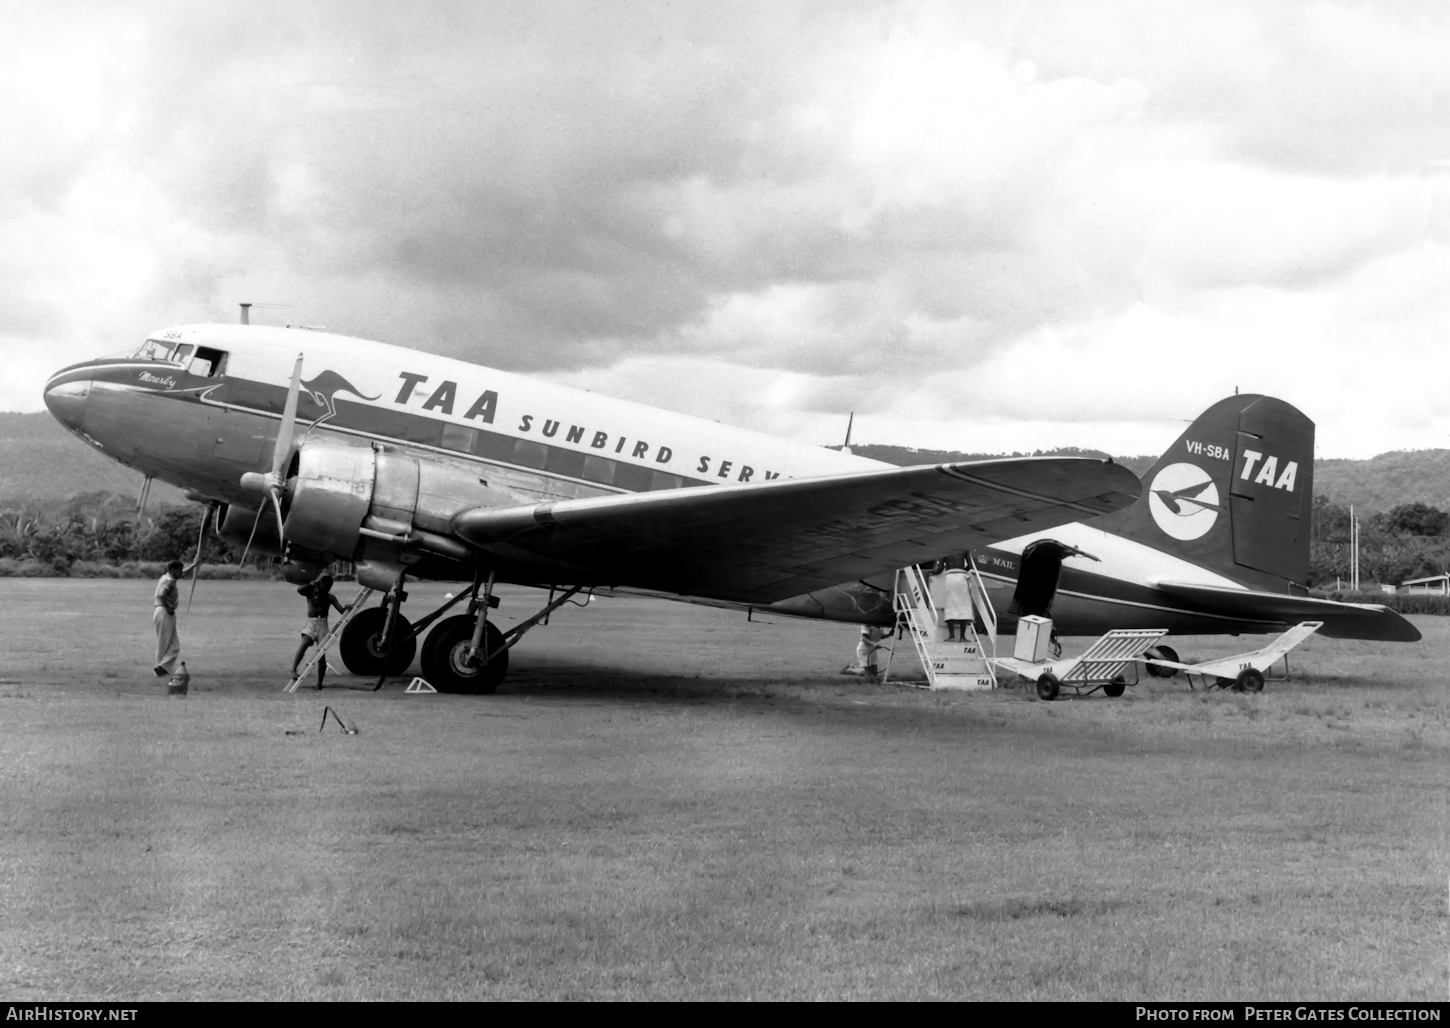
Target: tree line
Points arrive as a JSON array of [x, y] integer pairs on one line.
[[1411, 540], [102, 528]]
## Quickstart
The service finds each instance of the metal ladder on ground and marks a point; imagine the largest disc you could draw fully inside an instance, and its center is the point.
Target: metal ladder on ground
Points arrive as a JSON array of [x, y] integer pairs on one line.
[[319, 652], [949, 665]]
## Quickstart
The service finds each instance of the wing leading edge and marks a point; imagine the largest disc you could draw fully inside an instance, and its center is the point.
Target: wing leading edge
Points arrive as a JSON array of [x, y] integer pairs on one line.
[[768, 541], [1341, 620]]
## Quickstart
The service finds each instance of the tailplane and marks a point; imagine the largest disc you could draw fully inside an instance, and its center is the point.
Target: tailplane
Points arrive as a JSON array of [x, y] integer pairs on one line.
[[1233, 494]]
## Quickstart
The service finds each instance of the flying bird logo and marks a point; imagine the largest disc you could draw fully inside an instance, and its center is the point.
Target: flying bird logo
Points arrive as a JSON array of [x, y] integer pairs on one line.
[[1184, 501], [1192, 494]]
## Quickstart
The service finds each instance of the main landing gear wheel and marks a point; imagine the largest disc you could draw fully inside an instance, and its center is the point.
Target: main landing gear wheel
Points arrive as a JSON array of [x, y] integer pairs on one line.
[[444, 652], [363, 647], [1249, 680], [1048, 686], [1115, 687], [1162, 653]]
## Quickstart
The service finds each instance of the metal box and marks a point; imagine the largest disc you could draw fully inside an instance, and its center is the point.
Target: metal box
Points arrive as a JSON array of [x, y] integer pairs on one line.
[[1033, 635]]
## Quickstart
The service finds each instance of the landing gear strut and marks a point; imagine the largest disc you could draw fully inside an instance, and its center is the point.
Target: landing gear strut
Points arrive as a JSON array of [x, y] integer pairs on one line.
[[467, 653], [364, 645]]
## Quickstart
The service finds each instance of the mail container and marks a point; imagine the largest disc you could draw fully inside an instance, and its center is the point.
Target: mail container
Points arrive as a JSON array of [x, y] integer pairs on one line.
[[1033, 635]]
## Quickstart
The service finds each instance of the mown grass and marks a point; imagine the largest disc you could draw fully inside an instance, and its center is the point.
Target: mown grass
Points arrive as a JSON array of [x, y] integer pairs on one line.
[[667, 802]]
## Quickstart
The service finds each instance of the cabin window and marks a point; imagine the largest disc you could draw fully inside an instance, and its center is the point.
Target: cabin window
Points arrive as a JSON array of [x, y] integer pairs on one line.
[[565, 462], [665, 480], [599, 469], [492, 446], [207, 363], [456, 437], [530, 454], [632, 477]]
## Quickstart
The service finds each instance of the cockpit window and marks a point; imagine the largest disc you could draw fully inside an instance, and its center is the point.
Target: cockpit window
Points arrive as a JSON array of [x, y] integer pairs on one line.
[[208, 363], [182, 352], [154, 350]]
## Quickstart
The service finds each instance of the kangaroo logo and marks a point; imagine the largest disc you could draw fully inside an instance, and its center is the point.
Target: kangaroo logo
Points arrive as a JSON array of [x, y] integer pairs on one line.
[[1184, 501], [324, 389]]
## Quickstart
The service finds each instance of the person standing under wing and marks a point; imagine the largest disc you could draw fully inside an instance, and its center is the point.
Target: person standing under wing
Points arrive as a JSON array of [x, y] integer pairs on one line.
[[955, 595]]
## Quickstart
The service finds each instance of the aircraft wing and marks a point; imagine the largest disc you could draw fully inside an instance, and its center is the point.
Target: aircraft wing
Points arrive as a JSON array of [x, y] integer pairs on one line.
[[764, 542], [1341, 620]]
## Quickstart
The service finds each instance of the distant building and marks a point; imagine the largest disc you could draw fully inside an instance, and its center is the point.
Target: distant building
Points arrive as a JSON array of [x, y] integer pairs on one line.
[[1438, 584]]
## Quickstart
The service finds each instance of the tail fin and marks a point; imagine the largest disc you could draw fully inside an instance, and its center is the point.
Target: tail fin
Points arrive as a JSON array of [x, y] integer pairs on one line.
[[1233, 494]]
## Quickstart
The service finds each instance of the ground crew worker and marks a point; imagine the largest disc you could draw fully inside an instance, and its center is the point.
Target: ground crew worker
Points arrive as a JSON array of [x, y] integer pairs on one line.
[[319, 601], [163, 616], [867, 651]]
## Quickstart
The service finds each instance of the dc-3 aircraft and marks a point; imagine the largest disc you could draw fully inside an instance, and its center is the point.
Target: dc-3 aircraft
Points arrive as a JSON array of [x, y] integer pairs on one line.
[[319, 447]]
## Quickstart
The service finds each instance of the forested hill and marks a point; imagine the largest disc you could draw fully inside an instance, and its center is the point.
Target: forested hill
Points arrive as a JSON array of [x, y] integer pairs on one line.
[[40, 460], [1386, 480]]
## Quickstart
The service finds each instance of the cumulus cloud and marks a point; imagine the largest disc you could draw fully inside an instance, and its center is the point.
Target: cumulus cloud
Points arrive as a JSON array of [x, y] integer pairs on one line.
[[960, 221]]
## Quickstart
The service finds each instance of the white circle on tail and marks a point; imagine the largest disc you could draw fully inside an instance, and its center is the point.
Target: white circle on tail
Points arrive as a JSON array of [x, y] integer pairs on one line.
[[1184, 501]]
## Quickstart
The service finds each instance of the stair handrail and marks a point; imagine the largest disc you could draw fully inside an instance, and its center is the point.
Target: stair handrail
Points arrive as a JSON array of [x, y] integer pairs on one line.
[[920, 593], [983, 603]]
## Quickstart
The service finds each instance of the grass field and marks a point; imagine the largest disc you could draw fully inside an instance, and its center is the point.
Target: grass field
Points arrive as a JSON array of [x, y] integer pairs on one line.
[[668, 802]]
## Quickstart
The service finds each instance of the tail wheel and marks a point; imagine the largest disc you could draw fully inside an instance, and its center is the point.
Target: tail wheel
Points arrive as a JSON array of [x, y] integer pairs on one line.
[[363, 648], [1115, 687], [445, 657], [1162, 653], [1048, 686], [1249, 680]]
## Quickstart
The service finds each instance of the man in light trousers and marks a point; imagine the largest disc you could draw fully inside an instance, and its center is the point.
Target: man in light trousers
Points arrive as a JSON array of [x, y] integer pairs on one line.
[[168, 643]]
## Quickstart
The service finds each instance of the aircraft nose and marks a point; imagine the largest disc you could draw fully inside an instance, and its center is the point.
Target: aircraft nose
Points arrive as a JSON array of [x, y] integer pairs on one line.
[[65, 395]]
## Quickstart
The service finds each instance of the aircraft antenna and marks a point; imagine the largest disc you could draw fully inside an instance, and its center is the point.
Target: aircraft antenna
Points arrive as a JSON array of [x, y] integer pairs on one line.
[[846, 446]]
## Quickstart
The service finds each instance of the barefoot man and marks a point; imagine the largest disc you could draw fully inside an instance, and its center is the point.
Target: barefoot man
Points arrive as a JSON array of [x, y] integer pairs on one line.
[[319, 602]]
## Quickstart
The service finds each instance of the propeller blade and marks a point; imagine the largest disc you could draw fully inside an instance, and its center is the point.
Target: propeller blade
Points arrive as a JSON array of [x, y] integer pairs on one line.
[[252, 535], [276, 494], [196, 562], [282, 450]]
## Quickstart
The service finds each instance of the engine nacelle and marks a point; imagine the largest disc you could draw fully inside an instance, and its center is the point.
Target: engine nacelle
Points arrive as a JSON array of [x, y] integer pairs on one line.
[[357, 503], [328, 496]]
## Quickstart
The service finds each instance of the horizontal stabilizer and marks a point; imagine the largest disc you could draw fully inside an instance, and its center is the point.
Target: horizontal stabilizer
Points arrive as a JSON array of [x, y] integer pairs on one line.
[[1341, 620], [767, 541]]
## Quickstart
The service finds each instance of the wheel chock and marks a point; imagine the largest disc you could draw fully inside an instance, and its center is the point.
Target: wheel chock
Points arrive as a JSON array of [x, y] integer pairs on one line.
[[418, 686]]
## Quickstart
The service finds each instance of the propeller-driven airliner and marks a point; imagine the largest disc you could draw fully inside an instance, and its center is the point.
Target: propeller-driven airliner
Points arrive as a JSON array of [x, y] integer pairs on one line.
[[317, 447]]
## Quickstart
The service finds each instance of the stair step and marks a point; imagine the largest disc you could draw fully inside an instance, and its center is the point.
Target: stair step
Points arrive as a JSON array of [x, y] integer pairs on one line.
[[962, 666], [964, 683]]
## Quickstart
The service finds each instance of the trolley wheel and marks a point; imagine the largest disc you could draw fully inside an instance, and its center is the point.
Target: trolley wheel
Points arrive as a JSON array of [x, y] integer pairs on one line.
[[1115, 687], [1249, 680], [1048, 686], [444, 652], [1163, 653], [363, 647]]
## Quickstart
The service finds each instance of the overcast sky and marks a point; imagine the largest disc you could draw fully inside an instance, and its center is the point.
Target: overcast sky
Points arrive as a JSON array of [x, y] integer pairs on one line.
[[984, 226]]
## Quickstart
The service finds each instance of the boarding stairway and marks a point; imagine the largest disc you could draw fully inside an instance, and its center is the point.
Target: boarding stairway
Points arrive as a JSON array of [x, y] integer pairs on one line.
[[319, 651], [949, 665]]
